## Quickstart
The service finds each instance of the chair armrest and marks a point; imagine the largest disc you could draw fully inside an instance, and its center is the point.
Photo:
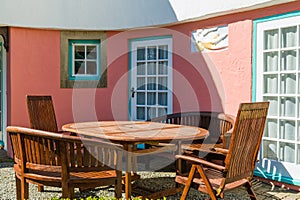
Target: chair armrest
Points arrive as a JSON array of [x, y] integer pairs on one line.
[[220, 150], [200, 161]]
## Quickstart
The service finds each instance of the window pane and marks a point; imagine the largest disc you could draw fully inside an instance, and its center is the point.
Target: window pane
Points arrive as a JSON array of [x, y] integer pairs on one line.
[[271, 128], [141, 68], [298, 155], [162, 111], [273, 107], [287, 152], [299, 111], [271, 84], [163, 52], [79, 52], [151, 84], [287, 106], [271, 39], [140, 113], [79, 67], [270, 150], [91, 52], [270, 61], [151, 53], [288, 60], [151, 113], [162, 83], [163, 68], [288, 84], [288, 36], [141, 83], [151, 98], [141, 53], [140, 98], [91, 67], [151, 69], [162, 99], [287, 129], [298, 135]]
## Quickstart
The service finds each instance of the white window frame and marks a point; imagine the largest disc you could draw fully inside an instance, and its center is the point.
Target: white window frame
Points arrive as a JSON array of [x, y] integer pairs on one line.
[[85, 75], [279, 165], [148, 42]]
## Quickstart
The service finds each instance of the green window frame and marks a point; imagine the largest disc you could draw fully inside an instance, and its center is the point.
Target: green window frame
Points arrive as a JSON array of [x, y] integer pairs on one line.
[[95, 80], [84, 59]]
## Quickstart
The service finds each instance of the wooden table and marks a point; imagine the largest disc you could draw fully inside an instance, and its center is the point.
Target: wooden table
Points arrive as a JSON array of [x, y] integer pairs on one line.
[[129, 133]]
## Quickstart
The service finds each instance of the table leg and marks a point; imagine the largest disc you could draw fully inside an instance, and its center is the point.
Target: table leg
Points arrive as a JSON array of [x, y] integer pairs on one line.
[[178, 162], [134, 159], [128, 150]]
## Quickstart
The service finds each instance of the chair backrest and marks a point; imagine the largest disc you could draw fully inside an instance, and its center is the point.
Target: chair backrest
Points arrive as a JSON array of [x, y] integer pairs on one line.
[[217, 123], [245, 140], [41, 150], [41, 113]]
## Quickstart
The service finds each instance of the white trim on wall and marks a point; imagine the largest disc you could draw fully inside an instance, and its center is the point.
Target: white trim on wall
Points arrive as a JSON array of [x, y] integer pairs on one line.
[[118, 14]]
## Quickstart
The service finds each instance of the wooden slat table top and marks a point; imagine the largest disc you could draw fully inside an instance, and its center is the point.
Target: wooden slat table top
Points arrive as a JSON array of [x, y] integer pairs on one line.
[[136, 131]]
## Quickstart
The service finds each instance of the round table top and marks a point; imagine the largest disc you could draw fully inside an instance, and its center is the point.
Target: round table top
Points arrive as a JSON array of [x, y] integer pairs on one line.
[[136, 131]]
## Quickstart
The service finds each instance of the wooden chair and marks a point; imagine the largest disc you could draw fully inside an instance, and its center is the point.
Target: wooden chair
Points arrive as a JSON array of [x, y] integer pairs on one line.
[[240, 158], [219, 125], [41, 113], [41, 116], [50, 159]]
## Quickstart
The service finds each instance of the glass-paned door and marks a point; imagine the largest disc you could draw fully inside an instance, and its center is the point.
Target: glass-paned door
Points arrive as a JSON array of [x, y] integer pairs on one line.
[[278, 81], [151, 78]]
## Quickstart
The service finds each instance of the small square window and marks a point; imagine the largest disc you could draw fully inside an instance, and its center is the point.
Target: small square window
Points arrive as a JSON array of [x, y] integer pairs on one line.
[[84, 59]]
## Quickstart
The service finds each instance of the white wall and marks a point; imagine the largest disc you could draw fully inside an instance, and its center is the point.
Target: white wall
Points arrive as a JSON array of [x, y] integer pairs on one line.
[[116, 14]]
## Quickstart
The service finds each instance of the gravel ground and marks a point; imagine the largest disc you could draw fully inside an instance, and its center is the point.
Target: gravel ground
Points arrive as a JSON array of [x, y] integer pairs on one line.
[[150, 180], [157, 181]]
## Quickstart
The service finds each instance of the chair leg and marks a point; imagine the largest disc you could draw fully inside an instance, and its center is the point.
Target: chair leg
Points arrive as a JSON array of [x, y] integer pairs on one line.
[[25, 189], [118, 185], [22, 188], [188, 183], [68, 192], [65, 190], [250, 191], [40, 188], [71, 193], [209, 187], [18, 187]]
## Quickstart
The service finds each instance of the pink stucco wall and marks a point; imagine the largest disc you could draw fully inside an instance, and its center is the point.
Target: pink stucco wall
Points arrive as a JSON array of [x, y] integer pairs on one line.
[[35, 69], [234, 66], [201, 81], [227, 73]]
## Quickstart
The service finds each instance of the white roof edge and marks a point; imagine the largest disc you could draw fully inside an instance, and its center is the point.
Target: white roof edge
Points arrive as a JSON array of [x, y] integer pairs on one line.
[[118, 14], [241, 9]]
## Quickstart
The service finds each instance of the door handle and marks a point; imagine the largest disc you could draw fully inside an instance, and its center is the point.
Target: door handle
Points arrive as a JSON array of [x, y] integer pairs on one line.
[[132, 92]]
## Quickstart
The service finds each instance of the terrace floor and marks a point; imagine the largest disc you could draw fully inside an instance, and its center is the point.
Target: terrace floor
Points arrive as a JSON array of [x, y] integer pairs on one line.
[[149, 180]]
